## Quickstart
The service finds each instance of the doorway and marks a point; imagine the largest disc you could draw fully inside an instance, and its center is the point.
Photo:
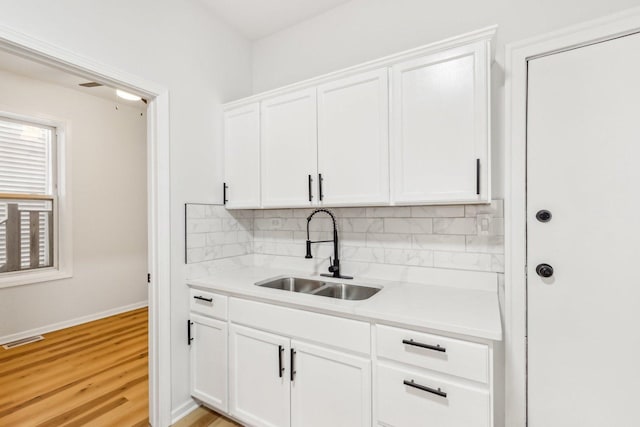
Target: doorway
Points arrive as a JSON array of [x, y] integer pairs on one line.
[[158, 196], [73, 237]]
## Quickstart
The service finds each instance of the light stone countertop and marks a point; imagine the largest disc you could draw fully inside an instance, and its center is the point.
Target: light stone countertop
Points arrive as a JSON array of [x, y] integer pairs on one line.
[[469, 312]]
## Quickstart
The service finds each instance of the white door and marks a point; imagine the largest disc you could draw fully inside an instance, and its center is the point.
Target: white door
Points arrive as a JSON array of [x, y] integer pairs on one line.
[[242, 157], [440, 127], [259, 377], [289, 150], [329, 388], [583, 166], [209, 361], [353, 140]]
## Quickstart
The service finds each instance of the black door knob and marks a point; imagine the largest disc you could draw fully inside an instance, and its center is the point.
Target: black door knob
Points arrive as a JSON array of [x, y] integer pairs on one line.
[[544, 270], [543, 215]]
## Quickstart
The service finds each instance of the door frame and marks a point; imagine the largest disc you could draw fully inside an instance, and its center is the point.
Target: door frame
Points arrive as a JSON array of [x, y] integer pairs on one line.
[[517, 56], [158, 196]]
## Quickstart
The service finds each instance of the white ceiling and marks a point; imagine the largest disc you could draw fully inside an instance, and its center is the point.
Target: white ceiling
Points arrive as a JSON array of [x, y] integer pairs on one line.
[[35, 70], [259, 18]]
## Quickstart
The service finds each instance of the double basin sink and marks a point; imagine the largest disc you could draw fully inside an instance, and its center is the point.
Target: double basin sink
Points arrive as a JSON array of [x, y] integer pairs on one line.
[[318, 287]]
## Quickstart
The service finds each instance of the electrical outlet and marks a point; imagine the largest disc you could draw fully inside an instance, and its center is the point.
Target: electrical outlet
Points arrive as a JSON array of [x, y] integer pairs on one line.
[[276, 223], [483, 222]]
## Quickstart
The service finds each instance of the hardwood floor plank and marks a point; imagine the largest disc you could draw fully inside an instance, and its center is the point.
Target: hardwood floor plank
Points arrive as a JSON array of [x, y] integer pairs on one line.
[[90, 374], [205, 417], [56, 391], [87, 418]]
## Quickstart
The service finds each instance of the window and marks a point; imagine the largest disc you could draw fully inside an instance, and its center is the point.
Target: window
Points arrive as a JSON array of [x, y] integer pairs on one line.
[[28, 200]]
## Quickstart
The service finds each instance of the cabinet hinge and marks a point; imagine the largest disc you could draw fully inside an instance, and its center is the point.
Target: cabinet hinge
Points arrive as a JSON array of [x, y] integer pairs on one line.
[[148, 277]]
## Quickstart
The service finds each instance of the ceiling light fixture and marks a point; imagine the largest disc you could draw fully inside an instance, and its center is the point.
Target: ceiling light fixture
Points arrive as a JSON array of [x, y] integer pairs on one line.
[[128, 96]]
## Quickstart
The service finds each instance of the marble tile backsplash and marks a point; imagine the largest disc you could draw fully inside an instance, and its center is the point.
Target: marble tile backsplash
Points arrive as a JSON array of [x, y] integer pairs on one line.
[[213, 232], [465, 237]]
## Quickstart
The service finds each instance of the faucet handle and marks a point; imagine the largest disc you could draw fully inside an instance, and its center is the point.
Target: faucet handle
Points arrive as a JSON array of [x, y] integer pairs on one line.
[[332, 268]]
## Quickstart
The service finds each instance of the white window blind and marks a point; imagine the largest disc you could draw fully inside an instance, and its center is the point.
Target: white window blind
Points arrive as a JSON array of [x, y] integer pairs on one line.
[[26, 168], [25, 158]]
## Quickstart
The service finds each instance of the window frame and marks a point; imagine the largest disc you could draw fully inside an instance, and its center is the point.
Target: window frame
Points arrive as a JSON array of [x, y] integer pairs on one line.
[[61, 193]]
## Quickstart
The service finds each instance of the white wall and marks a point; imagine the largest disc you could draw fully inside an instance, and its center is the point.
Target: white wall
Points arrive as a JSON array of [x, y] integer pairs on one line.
[[178, 44], [362, 30], [108, 180]]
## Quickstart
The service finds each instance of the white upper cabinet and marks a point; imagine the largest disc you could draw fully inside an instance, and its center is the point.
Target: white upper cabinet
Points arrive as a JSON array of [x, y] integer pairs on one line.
[[289, 150], [412, 128], [242, 157], [440, 127], [353, 141]]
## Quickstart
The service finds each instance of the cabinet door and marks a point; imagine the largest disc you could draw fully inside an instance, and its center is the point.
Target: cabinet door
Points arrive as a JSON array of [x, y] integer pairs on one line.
[[440, 127], [242, 156], [209, 361], [289, 149], [259, 377], [353, 140], [330, 388]]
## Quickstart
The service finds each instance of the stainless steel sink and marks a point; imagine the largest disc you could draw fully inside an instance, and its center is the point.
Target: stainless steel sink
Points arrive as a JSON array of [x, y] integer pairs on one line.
[[293, 284], [344, 291]]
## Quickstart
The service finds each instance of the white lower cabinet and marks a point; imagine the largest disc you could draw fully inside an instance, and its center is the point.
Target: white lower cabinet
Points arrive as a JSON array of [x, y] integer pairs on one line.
[[276, 381], [329, 388], [407, 398], [259, 386], [208, 338], [287, 367]]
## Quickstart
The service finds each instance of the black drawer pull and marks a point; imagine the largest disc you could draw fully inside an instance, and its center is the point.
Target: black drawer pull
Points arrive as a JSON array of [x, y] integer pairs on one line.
[[200, 297], [280, 368], [427, 346], [438, 392]]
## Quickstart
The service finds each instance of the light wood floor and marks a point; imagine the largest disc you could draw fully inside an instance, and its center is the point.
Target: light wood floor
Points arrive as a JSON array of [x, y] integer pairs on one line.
[[92, 374], [204, 417]]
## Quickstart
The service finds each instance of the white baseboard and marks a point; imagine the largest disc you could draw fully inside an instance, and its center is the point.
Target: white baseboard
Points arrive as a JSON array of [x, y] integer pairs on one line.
[[72, 322], [183, 410]]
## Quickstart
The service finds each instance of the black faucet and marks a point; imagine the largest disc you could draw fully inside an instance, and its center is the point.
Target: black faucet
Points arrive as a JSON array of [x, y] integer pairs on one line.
[[334, 267]]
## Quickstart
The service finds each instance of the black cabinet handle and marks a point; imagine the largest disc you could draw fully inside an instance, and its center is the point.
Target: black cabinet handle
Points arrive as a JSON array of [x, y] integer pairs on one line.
[[189, 337], [280, 368], [436, 347], [224, 193], [310, 193], [478, 176], [320, 186], [293, 372], [438, 391], [200, 297]]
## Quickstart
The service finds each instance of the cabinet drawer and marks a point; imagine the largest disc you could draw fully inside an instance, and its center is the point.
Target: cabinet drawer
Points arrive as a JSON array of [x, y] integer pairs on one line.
[[348, 334], [448, 404], [448, 355], [208, 303]]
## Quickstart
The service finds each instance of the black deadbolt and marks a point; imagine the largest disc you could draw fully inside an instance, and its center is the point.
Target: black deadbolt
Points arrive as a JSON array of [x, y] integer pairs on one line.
[[543, 216], [544, 270]]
